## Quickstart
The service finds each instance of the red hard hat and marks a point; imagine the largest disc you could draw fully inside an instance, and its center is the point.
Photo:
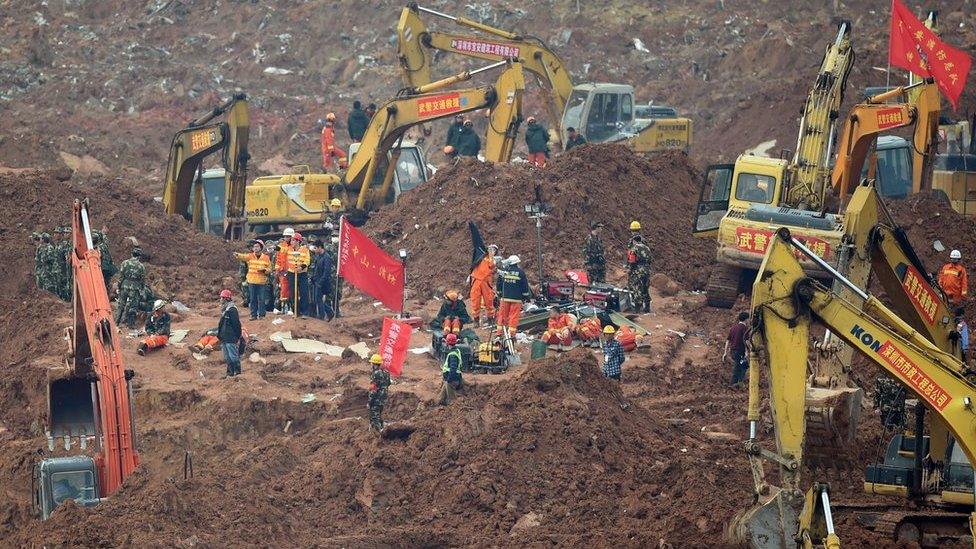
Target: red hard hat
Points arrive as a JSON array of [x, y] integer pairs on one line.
[[225, 294], [297, 236], [451, 339]]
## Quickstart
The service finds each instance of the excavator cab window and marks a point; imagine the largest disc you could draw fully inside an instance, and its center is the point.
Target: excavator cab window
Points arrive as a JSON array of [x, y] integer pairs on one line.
[[893, 171], [77, 485], [214, 194], [410, 170], [605, 117], [755, 188], [713, 201]]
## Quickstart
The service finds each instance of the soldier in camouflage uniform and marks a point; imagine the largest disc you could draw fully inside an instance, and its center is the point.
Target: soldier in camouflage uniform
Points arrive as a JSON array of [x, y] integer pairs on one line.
[[332, 248], [639, 273], [64, 275], [45, 263], [108, 267], [132, 287], [593, 258], [889, 397], [378, 387]]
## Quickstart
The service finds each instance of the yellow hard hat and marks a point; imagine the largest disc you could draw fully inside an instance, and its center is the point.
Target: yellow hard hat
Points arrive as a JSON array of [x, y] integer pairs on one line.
[[330, 117], [335, 203], [376, 359], [609, 330], [635, 225], [452, 294]]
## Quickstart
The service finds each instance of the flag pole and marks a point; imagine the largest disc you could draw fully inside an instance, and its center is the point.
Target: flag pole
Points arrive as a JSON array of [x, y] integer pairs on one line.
[[335, 287]]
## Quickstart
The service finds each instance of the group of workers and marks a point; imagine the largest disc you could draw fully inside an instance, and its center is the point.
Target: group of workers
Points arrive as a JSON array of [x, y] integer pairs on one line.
[[462, 140]]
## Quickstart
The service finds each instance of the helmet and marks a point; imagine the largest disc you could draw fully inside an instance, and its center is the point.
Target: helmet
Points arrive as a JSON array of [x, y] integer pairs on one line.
[[376, 359], [343, 163], [297, 236], [158, 304], [450, 339], [955, 254], [448, 149], [530, 120], [330, 117], [635, 225], [468, 122], [257, 241], [452, 295], [335, 203], [609, 330], [513, 260], [289, 232], [225, 294]]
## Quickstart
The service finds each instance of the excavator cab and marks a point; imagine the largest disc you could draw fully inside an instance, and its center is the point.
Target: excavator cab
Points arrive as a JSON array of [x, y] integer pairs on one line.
[[599, 111], [56, 480], [209, 192], [713, 200], [893, 167]]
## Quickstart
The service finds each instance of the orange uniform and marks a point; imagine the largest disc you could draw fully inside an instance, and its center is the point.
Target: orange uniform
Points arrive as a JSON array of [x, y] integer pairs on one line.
[[954, 281], [281, 270], [560, 330], [482, 288], [329, 148]]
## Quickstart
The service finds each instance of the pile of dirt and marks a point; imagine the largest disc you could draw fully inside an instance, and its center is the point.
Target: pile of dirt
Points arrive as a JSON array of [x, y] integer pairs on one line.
[[606, 183], [555, 455], [926, 218]]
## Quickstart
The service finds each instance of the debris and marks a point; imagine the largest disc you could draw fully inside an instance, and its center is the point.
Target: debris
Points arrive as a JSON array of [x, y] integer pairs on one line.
[[276, 70], [256, 358], [176, 336], [310, 346], [639, 46], [278, 336], [308, 397], [180, 307], [361, 350], [420, 350], [278, 321], [200, 356]]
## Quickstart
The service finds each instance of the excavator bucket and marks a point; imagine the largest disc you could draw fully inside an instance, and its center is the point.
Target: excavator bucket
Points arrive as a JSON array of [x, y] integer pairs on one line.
[[70, 408], [769, 525], [831, 422]]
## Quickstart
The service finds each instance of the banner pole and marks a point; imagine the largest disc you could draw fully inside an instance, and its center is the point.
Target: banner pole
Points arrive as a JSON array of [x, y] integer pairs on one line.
[[335, 288]]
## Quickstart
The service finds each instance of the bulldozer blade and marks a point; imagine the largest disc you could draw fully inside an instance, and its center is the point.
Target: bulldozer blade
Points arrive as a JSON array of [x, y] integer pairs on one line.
[[769, 525], [832, 416]]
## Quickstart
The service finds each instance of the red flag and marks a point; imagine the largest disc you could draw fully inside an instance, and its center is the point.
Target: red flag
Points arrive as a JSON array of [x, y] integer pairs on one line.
[[917, 49], [367, 267], [393, 345]]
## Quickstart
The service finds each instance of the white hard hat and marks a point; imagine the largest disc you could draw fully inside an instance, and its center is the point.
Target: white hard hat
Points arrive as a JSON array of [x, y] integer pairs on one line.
[[158, 304], [513, 260], [955, 254], [289, 232]]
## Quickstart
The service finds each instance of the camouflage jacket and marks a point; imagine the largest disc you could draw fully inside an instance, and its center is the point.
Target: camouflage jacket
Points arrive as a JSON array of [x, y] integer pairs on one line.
[[132, 273], [642, 253], [379, 382], [593, 251]]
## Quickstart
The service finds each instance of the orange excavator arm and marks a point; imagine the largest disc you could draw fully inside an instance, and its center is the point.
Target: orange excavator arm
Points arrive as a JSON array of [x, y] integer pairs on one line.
[[96, 351]]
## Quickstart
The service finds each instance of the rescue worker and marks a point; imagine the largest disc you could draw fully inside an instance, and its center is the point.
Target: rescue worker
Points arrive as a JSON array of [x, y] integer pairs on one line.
[[961, 333], [467, 143], [954, 280], [613, 354], [321, 282], [108, 267], [258, 266], [635, 229], [379, 383], [639, 274], [207, 343], [229, 333], [332, 249], [332, 219], [737, 342], [299, 259], [451, 370], [157, 329], [46, 264], [329, 148], [513, 289], [357, 122], [889, 398], [574, 139], [537, 139], [453, 131], [371, 110], [482, 287], [65, 275], [560, 328], [453, 314], [593, 255], [132, 285], [281, 271]]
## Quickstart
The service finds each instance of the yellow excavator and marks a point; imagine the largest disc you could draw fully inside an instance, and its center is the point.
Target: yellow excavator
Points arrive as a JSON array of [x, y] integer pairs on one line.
[[378, 172], [935, 471], [602, 112], [214, 201]]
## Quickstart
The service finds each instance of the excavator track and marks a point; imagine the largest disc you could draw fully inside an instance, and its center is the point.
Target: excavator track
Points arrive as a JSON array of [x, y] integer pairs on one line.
[[722, 290], [927, 528]]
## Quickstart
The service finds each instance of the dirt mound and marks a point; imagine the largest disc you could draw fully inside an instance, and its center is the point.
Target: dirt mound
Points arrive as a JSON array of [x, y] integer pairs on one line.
[[926, 219], [606, 183]]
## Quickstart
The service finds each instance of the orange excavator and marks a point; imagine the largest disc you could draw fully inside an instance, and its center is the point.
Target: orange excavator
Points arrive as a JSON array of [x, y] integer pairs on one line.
[[90, 397]]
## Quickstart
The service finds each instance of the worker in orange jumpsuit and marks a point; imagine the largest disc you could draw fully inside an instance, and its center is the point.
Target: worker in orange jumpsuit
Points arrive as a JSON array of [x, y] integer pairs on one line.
[[206, 344], [482, 286], [157, 329], [281, 271], [954, 280], [329, 148], [513, 287], [560, 329]]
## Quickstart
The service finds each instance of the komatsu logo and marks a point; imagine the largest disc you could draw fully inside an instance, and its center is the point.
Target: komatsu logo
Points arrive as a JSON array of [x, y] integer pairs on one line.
[[866, 338]]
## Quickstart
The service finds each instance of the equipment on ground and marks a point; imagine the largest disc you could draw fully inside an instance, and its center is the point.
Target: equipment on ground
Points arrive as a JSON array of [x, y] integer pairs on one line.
[[602, 112], [785, 300], [90, 397], [213, 200], [476, 356]]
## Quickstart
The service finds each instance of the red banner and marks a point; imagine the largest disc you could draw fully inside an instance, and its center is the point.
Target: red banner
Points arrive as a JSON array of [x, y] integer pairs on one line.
[[367, 267], [438, 105], [917, 49], [393, 345]]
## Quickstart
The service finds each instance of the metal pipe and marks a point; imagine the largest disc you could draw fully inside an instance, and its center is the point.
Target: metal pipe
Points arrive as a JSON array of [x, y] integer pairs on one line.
[[882, 97], [470, 23], [436, 13], [919, 455], [87, 226], [828, 517], [826, 266]]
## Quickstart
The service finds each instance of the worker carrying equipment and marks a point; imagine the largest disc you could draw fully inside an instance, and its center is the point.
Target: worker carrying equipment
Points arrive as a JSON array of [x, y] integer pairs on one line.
[[954, 280]]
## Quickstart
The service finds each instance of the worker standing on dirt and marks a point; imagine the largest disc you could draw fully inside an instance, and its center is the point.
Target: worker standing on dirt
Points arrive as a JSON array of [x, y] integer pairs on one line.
[[736, 343], [46, 264], [299, 260], [330, 149], [467, 143], [229, 333], [321, 306], [65, 274], [613, 354], [453, 314], [639, 274], [132, 284], [371, 110], [258, 269], [357, 122], [379, 383], [574, 139], [453, 131], [961, 334], [593, 255], [108, 267], [954, 280], [635, 229], [451, 371], [281, 271], [537, 139], [157, 329], [513, 288], [482, 288]]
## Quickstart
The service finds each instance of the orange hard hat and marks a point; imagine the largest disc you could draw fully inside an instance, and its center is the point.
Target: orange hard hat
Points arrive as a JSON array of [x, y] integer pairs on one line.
[[330, 117], [448, 149]]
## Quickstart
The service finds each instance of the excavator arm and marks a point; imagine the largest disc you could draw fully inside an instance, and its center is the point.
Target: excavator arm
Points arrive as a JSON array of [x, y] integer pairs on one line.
[[416, 46]]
